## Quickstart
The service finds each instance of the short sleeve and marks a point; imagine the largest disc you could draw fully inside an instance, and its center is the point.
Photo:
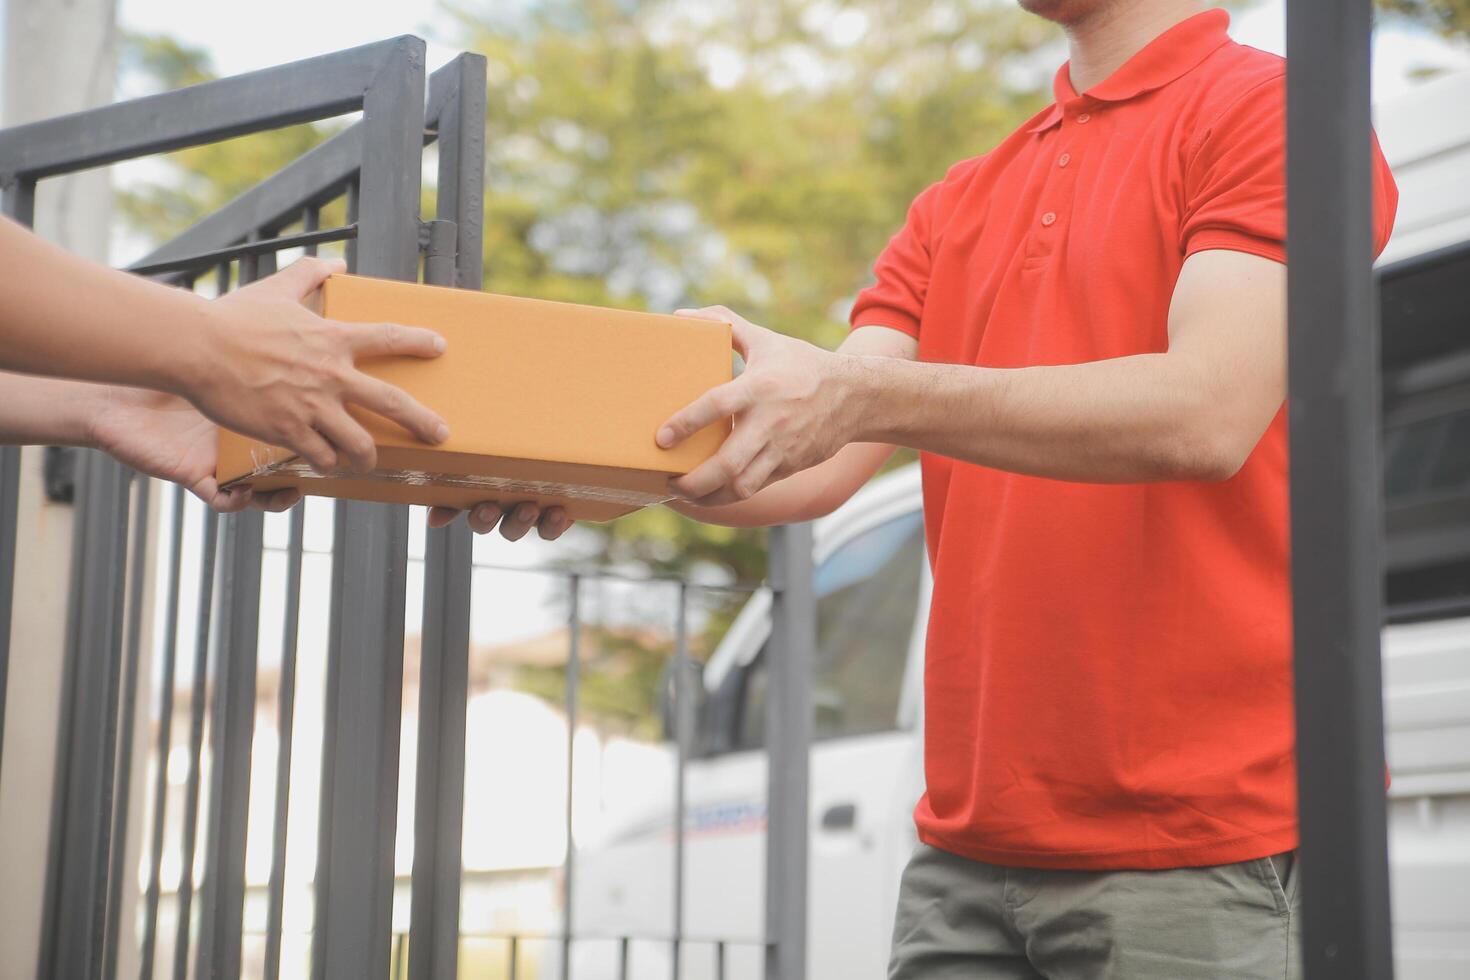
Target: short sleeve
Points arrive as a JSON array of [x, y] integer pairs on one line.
[[1235, 180], [896, 299]]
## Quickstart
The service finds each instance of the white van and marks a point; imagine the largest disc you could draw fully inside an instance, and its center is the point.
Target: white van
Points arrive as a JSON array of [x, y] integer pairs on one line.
[[872, 583]]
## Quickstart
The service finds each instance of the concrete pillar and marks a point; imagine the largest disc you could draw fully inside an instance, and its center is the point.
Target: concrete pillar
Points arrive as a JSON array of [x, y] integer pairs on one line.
[[59, 56]]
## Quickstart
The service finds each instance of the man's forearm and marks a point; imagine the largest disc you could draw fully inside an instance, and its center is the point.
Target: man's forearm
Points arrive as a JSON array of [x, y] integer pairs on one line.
[[65, 317], [47, 411], [1125, 420], [804, 496]]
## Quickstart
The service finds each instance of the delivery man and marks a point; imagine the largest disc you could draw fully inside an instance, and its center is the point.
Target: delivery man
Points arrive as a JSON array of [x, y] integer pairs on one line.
[[1083, 332]]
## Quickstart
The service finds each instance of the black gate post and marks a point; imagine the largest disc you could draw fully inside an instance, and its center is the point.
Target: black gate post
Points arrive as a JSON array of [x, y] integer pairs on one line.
[[433, 947], [370, 564], [1335, 486]]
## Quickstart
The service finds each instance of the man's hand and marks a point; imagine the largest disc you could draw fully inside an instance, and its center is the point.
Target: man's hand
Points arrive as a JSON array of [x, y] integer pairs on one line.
[[164, 436], [514, 525], [790, 407], [270, 368]]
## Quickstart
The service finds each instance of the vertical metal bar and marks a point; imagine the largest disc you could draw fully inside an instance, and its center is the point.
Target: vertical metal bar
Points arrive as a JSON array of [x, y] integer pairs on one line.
[[371, 563], [444, 670], [1336, 518], [353, 193], [311, 220], [285, 724], [515, 958], [720, 960], [573, 673], [165, 737], [184, 895], [232, 732], [325, 817], [75, 916], [623, 959], [461, 184], [116, 868], [439, 796], [788, 734], [683, 735]]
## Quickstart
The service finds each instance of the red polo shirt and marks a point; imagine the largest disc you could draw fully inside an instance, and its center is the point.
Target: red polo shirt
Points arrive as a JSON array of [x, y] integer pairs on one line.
[[1109, 667]]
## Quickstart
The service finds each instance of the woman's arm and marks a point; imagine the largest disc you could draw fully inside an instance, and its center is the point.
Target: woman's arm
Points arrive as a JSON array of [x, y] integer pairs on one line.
[[155, 433], [254, 360]]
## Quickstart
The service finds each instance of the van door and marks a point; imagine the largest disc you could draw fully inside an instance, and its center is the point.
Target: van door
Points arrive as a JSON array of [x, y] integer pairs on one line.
[[865, 769]]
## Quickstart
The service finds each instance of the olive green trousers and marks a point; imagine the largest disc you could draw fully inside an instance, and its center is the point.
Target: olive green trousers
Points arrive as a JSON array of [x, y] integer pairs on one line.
[[959, 918]]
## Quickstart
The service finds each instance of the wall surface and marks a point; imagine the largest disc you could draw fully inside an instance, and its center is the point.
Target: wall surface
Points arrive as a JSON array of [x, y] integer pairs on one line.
[[58, 57]]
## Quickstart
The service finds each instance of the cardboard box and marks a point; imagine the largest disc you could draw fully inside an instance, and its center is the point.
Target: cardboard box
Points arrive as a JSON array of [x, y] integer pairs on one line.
[[546, 402]]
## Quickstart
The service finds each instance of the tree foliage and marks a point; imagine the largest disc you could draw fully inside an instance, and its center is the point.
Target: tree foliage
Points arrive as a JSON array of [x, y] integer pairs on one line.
[[1450, 18], [654, 154]]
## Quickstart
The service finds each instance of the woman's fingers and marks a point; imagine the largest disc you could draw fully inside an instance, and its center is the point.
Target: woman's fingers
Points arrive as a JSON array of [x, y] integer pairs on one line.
[[398, 406], [352, 442]]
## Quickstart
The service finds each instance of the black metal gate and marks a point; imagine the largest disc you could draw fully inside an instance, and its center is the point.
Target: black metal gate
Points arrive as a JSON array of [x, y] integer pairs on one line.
[[375, 165]]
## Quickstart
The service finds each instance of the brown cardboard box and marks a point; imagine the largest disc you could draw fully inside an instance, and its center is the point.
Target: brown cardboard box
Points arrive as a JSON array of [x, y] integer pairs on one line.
[[546, 402]]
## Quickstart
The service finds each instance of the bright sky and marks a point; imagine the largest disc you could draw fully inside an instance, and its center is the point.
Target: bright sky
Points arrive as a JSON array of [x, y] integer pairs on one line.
[[285, 30]]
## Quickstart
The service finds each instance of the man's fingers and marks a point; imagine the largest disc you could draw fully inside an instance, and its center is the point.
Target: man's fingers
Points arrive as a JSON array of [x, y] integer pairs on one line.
[[304, 275], [442, 516], [484, 517], [354, 445], [553, 524], [721, 469], [519, 521], [310, 446], [397, 405], [221, 501], [276, 501], [747, 484], [720, 402], [394, 340]]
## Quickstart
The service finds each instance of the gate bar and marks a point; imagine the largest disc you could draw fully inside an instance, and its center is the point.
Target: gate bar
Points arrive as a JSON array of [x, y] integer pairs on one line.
[[76, 893], [123, 782], [165, 739], [457, 110], [271, 98], [1336, 517], [285, 726], [184, 892], [370, 562], [788, 739]]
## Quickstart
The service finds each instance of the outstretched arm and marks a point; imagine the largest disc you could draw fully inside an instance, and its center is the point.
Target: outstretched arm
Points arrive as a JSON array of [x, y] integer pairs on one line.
[[254, 360], [814, 492], [1193, 412], [157, 434]]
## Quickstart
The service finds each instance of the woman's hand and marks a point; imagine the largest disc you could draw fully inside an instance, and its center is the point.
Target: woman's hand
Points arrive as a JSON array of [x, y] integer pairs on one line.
[[268, 367], [164, 436]]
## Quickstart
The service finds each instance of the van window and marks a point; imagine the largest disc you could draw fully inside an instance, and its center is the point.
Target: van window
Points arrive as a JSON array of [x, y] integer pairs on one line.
[[867, 598]]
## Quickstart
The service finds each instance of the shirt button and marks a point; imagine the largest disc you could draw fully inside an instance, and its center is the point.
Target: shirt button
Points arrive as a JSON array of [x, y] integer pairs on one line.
[[1083, 117], [1049, 219], [1064, 159]]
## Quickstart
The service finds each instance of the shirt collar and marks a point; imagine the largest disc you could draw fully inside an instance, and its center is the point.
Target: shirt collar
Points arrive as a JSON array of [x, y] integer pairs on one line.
[[1160, 62]]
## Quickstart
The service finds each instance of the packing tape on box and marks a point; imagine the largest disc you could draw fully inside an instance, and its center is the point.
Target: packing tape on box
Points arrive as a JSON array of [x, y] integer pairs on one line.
[[494, 486]]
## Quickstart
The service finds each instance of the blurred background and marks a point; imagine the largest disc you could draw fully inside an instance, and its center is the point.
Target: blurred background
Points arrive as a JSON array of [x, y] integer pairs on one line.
[[648, 154]]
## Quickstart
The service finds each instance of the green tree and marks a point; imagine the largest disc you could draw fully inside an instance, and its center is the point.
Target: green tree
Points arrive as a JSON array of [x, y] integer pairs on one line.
[[654, 154], [1450, 18]]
